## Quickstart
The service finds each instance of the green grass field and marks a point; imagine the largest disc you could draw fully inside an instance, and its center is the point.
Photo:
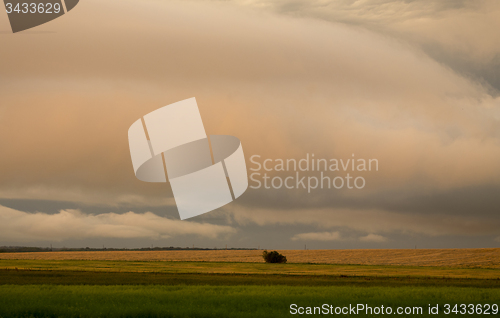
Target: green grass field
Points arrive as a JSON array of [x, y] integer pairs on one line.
[[218, 301], [71, 288]]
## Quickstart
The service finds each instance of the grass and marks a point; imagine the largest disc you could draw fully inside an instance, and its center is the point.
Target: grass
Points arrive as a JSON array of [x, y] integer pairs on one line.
[[217, 301], [252, 268], [466, 258], [28, 277], [118, 288]]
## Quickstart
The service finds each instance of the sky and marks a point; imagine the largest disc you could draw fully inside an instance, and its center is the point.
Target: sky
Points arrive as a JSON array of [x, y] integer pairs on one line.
[[412, 84]]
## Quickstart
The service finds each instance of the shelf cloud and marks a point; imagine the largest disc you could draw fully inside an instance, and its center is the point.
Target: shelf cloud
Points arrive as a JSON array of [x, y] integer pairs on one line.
[[289, 78]]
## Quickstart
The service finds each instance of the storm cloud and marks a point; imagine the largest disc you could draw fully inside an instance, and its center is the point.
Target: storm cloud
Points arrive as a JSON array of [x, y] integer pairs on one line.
[[287, 78]]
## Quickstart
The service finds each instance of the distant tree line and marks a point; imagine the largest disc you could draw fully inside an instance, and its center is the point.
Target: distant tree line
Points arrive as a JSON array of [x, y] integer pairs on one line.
[[14, 249]]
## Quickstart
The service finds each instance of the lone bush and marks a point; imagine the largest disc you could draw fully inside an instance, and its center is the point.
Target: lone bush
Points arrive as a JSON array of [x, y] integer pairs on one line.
[[273, 257]]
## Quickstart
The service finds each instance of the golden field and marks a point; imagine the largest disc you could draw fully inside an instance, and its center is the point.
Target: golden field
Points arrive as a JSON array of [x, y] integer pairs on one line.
[[478, 258]]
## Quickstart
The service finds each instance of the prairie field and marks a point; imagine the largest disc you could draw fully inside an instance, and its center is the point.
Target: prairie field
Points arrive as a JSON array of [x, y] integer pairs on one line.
[[475, 258], [250, 269], [235, 283], [228, 301]]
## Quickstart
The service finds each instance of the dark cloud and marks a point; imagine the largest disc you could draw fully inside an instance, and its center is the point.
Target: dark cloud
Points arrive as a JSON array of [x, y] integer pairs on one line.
[[459, 34], [481, 201], [375, 81]]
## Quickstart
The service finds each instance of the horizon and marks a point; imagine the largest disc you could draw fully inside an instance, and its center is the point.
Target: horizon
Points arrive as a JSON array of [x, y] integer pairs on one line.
[[288, 79]]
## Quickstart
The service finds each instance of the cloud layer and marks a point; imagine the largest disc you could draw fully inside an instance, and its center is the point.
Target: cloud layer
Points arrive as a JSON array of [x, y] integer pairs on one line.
[[460, 34], [369, 78], [321, 236], [18, 226]]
